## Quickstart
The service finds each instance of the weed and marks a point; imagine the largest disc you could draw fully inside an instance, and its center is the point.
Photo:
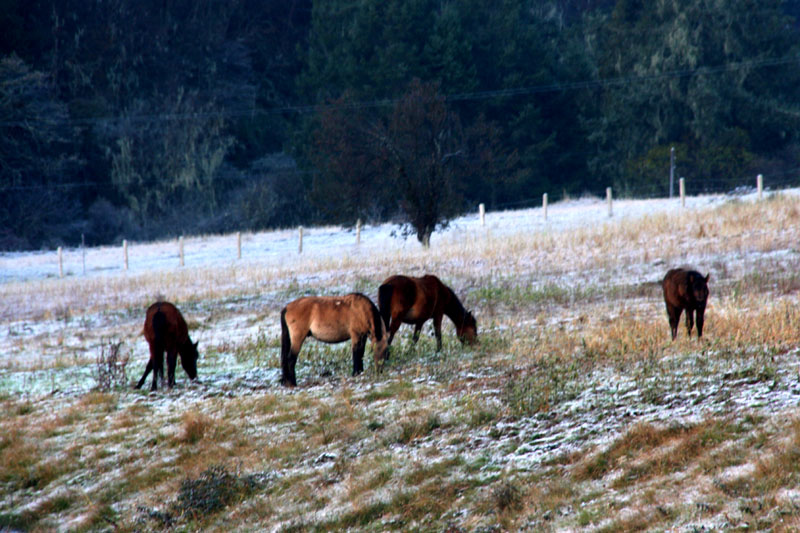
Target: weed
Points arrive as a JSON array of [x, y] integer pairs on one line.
[[23, 521], [111, 367], [548, 383], [416, 426], [215, 489], [507, 496]]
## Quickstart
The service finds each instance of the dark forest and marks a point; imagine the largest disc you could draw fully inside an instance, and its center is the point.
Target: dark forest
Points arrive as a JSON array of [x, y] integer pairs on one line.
[[149, 119]]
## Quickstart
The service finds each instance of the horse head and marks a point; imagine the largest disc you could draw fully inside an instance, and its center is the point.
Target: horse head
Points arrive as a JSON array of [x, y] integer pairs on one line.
[[189, 356], [380, 347], [468, 331], [699, 287]]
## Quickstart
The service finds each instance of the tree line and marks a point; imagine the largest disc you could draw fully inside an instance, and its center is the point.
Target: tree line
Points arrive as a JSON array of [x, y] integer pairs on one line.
[[149, 119]]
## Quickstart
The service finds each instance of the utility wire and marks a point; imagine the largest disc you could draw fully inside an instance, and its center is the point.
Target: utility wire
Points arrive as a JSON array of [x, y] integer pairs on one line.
[[458, 97]]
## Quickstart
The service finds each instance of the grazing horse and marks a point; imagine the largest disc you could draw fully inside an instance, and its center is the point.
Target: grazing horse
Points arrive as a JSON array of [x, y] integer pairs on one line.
[[685, 289], [331, 319], [415, 300], [166, 330]]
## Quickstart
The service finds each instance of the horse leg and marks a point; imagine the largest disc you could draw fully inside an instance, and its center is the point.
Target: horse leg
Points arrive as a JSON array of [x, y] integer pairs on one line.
[[417, 329], [288, 361], [689, 321], [700, 312], [147, 370], [674, 314], [437, 330], [158, 370], [393, 327], [359, 343], [172, 362]]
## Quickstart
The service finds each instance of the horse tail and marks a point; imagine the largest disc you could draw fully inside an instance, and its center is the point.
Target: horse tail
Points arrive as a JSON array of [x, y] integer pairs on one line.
[[159, 330], [385, 302], [377, 320], [286, 340]]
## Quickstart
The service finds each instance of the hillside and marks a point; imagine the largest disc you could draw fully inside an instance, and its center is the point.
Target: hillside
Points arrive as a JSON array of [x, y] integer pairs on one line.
[[575, 413]]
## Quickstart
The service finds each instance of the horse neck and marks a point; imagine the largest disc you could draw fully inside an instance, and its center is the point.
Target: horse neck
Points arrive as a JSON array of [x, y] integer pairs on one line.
[[454, 310], [182, 347]]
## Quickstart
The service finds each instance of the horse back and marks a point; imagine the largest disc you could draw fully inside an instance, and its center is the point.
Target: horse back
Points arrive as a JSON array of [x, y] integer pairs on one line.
[[437, 294], [404, 293], [677, 285], [165, 324], [330, 318]]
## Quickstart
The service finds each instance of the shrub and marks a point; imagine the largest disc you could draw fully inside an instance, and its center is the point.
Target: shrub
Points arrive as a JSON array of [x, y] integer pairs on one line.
[[111, 367]]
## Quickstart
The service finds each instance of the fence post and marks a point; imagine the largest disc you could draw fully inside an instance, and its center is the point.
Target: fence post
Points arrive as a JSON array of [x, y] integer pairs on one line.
[[300, 241], [125, 252], [608, 200], [180, 248], [83, 252], [682, 187], [482, 214], [238, 245], [671, 170], [760, 185], [544, 205], [60, 263], [358, 231]]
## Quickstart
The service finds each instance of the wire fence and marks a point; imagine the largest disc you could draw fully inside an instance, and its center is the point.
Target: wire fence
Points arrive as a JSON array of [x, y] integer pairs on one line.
[[693, 187]]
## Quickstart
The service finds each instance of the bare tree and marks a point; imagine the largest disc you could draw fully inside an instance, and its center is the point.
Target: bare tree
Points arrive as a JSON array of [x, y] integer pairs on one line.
[[412, 162], [428, 151]]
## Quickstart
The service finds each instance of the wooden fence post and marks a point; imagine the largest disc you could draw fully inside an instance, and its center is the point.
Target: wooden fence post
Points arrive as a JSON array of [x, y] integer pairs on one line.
[[608, 200], [60, 263], [544, 205], [125, 252], [358, 231], [760, 185], [180, 248], [682, 187], [300, 241], [482, 214], [238, 245]]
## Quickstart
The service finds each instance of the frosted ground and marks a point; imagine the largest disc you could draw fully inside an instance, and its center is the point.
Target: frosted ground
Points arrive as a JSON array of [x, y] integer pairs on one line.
[[27, 277], [276, 248], [574, 357]]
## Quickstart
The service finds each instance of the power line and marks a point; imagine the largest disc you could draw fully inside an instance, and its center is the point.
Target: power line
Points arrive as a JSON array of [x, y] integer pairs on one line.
[[458, 97]]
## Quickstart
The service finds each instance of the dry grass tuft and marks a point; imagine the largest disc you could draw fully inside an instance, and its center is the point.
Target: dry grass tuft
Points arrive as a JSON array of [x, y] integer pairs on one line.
[[194, 426], [647, 451]]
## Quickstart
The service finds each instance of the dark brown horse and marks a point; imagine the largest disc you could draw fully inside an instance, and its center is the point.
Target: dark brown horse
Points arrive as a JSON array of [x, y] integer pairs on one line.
[[416, 300], [685, 289], [166, 330], [331, 319]]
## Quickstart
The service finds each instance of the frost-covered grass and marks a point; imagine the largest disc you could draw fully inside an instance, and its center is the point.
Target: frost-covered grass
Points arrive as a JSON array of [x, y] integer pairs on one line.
[[575, 413]]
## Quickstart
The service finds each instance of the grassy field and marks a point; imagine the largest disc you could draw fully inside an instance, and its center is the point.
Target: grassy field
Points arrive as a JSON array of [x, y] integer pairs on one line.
[[575, 413]]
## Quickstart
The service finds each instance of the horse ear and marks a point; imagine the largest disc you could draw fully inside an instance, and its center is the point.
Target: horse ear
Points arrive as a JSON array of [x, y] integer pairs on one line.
[[195, 344], [708, 276]]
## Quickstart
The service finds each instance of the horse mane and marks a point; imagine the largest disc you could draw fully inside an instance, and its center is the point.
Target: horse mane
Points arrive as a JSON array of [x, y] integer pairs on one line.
[[454, 305], [376, 317]]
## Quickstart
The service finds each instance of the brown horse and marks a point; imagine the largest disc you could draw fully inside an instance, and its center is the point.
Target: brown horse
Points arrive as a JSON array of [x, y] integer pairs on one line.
[[415, 300], [685, 289], [331, 319], [165, 329]]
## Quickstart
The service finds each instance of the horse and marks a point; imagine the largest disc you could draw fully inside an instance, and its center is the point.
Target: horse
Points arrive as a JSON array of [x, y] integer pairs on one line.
[[416, 300], [685, 289], [165, 329], [331, 319]]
